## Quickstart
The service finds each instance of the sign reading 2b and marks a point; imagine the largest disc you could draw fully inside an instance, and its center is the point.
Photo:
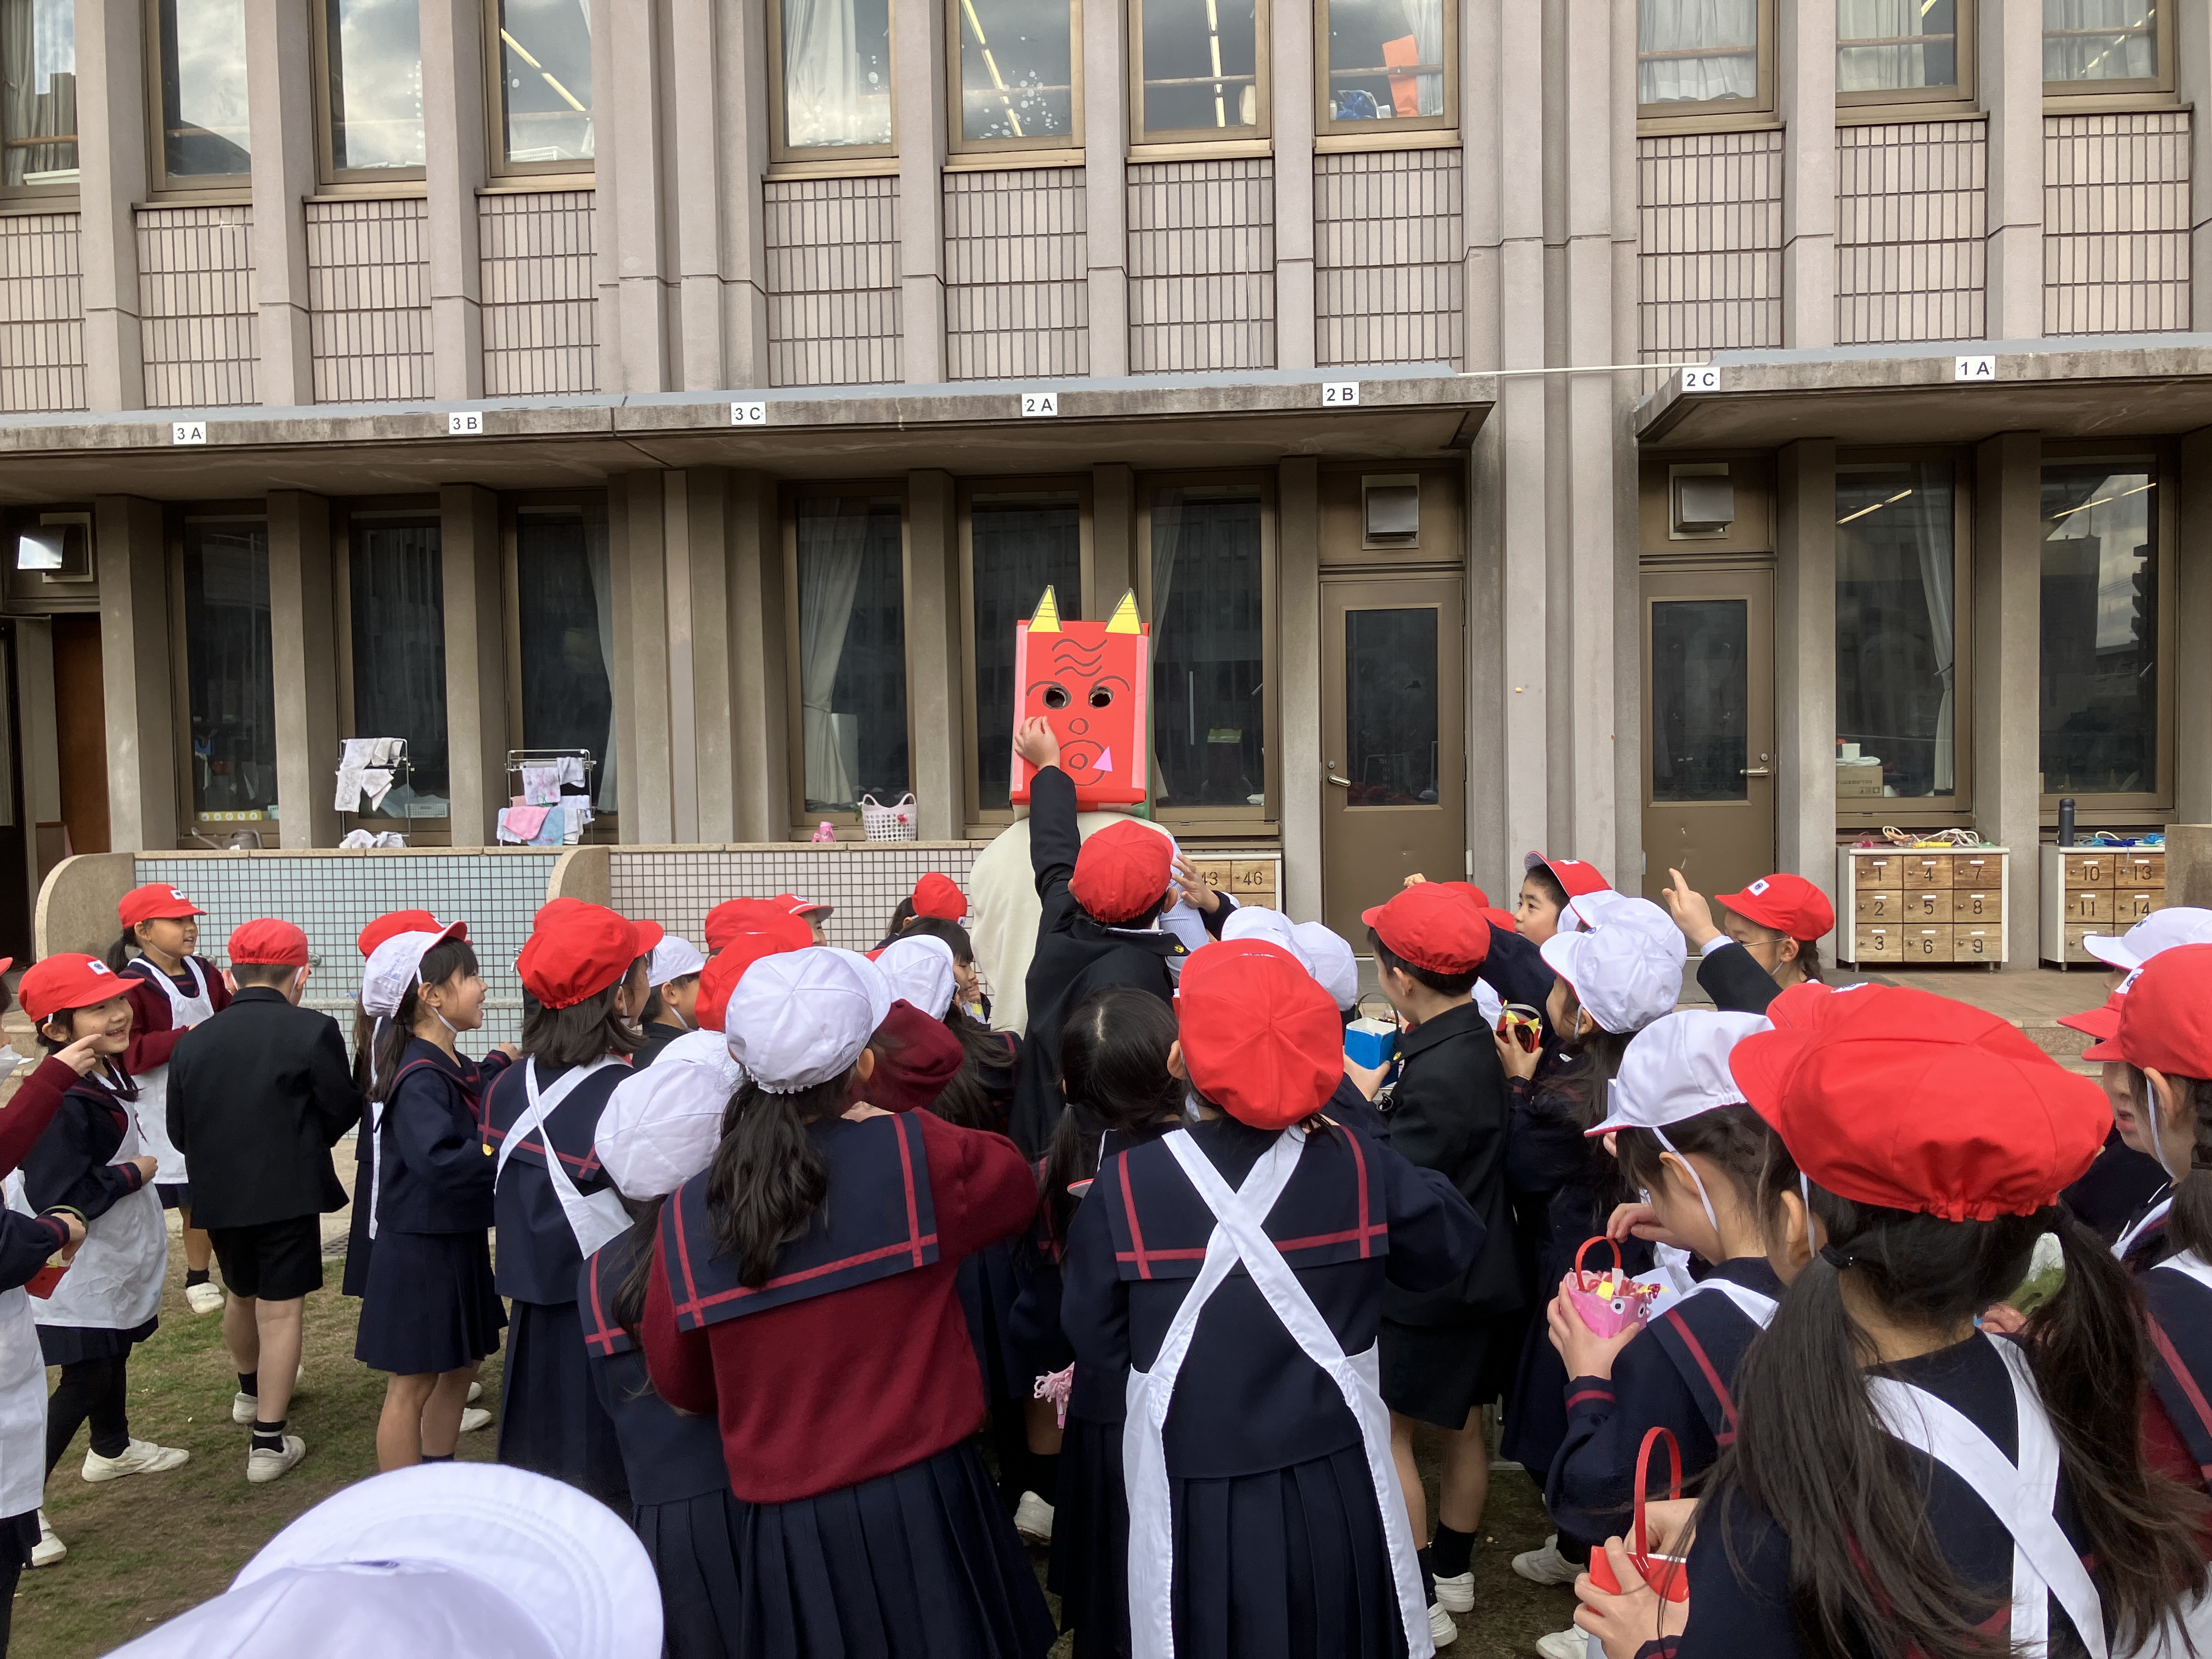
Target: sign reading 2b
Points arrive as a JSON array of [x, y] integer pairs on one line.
[[1090, 680]]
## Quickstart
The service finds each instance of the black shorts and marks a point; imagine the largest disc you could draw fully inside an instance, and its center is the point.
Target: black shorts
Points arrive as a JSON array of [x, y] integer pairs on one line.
[[1440, 1373], [174, 1195], [275, 1260]]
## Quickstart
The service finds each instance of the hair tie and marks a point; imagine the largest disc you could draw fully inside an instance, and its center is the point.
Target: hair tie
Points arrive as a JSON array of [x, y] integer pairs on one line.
[[1837, 1258]]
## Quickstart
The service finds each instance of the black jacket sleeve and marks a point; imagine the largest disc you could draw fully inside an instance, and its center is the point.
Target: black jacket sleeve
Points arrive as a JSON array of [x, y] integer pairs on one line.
[[1055, 835], [68, 1168], [338, 1102], [1434, 1233], [1736, 984], [26, 1241]]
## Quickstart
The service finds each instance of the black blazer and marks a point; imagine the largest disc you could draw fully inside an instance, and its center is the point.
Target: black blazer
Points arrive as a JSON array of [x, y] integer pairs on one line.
[[1735, 982], [257, 1097]]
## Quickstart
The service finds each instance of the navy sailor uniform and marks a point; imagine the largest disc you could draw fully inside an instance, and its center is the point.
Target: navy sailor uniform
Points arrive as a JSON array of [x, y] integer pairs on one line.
[[1280, 1546]]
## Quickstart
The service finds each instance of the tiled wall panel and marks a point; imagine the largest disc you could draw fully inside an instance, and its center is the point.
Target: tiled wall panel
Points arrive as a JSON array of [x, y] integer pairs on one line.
[[676, 886], [1710, 257], [41, 314], [1387, 257], [197, 326], [1201, 265], [833, 292], [540, 319], [1911, 219], [2115, 222], [1016, 289], [368, 300]]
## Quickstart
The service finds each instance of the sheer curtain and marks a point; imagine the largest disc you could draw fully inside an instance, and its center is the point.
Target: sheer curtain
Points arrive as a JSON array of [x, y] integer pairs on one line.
[[830, 547], [1427, 17], [1674, 38], [2092, 57], [825, 99], [597, 559], [1879, 69], [1167, 542], [1937, 572]]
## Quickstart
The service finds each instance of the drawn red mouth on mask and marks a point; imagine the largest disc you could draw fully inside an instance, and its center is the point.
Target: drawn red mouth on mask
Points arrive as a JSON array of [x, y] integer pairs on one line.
[[1084, 756]]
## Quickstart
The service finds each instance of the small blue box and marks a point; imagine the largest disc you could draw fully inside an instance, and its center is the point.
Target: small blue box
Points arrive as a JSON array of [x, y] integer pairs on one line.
[[1371, 1042]]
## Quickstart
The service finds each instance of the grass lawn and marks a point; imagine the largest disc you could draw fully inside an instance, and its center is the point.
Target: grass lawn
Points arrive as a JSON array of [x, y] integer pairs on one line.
[[144, 1548]]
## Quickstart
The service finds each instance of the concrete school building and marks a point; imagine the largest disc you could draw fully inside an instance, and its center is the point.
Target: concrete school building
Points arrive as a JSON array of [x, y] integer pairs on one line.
[[699, 391]]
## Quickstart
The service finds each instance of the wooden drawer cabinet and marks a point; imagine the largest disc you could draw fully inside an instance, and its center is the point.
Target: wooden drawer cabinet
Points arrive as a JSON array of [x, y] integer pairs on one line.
[[1926, 870], [2088, 869], [1978, 905], [1925, 943], [1878, 942], [1974, 943], [2096, 889], [1922, 906], [1882, 904]]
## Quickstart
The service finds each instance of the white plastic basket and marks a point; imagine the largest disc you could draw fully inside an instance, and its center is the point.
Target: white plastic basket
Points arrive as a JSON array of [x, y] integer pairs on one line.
[[892, 822]]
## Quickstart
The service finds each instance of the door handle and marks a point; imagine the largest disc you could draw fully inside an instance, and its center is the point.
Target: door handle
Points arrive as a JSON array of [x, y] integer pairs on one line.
[[1341, 783], [1758, 771]]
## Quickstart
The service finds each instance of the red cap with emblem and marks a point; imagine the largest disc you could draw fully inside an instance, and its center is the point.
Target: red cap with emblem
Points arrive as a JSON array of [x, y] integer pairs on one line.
[[2102, 1022], [1575, 876], [155, 901], [1431, 925], [733, 918], [397, 922], [1910, 1100], [2165, 1016], [1122, 871], [1261, 1039], [575, 951], [940, 895], [1788, 904], [68, 980], [268, 942], [739, 952]]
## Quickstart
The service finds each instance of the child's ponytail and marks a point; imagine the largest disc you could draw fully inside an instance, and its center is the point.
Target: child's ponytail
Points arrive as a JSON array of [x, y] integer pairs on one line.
[[768, 1179], [2189, 1221], [119, 954]]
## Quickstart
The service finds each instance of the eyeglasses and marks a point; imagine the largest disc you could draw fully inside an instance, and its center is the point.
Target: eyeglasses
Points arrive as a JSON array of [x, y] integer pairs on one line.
[[1522, 1024]]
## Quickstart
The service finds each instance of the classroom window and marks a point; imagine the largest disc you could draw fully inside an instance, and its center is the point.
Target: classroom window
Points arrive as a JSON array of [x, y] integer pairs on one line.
[[1897, 50], [203, 96], [1387, 60], [1897, 633], [1198, 69], [230, 676], [565, 634], [373, 87], [834, 85], [1695, 57], [1209, 656], [396, 591], [38, 94], [851, 571], [1020, 542], [1017, 73], [2090, 44], [545, 58], [2100, 660]]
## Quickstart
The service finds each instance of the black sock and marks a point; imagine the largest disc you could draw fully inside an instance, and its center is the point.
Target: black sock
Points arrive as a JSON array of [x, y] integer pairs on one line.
[[249, 1384], [195, 1276], [445, 1458], [269, 1436], [1450, 1553], [1428, 1577]]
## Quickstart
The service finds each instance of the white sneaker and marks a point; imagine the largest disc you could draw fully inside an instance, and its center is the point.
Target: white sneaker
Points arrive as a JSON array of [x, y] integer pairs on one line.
[[1033, 1518], [1563, 1644], [262, 1465], [244, 1408], [140, 1457], [1456, 1595], [203, 1298], [1546, 1565], [474, 1417], [1442, 1632], [475, 1392], [49, 1549]]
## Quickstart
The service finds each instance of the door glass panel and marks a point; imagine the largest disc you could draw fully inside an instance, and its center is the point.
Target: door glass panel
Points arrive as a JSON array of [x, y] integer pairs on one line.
[[2100, 628], [397, 584], [1896, 631], [1207, 658], [1390, 712], [1022, 544], [229, 669], [1700, 699], [565, 580]]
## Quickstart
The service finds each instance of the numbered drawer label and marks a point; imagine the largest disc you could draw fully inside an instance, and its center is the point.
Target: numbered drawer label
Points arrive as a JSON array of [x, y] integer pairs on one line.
[[1972, 905], [1928, 944], [1879, 944], [1977, 944], [1884, 870], [2131, 907], [2089, 904], [1877, 906], [2088, 869], [1928, 870]]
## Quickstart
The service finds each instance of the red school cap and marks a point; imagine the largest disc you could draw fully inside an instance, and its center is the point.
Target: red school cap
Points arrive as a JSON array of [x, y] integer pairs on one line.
[[802, 907], [1433, 927], [1122, 871], [733, 918], [1577, 876], [1910, 1100], [155, 901], [739, 952], [1261, 1039], [2165, 1016], [1788, 904], [268, 942], [575, 951], [68, 980], [940, 895], [2102, 1022], [391, 925]]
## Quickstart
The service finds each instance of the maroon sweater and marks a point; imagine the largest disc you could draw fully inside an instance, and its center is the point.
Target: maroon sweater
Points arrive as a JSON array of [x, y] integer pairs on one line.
[[154, 1028], [33, 1106], [841, 1387]]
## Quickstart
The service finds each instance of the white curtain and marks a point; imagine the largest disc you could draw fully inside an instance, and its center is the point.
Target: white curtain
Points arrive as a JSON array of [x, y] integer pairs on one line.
[[1427, 17], [2068, 57], [831, 547], [1879, 69], [1936, 572], [1726, 29], [1167, 542], [825, 99], [603, 600]]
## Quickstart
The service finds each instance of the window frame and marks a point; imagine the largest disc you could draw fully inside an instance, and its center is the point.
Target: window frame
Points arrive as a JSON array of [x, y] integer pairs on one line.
[[804, 819], [605, 827], [1377, 134], [345, 515], [572, 173], [981, 822], [1932, 811], [191, 823], [1009, 149], [2161, 460], [806, 158], [1760, 109], [35, 196], [1265, 821], [1257, 139], [351, 180], [2159, 83], [1963, 95], [160, 184]]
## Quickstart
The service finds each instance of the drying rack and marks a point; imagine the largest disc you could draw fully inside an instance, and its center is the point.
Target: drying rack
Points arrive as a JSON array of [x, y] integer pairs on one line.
[[402, 767], [518, 758]]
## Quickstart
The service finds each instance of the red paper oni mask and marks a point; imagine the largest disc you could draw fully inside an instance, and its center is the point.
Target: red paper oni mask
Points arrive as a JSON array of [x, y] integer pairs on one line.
[[1092, 681]]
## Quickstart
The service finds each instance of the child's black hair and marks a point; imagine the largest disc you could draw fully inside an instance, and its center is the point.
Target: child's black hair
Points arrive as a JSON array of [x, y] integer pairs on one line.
[[2189, 1223], [954, 935], [902, 919], [1735, 1140], [1448, 985], [118, 955], [273, 975], [439, 963], [1548, 884], [767, 1177], [628, 1303], [1113, 1064], [582, 1032], [656, 1004]]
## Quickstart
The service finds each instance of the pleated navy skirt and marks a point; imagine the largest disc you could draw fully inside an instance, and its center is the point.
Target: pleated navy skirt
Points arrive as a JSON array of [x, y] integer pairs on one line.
[[72, 1345], [919, 1564], [1288, 1565], [693, 1544], [429, 1303], [1089, 1567], [359, 1245], [551, 1420], [989, 1283]]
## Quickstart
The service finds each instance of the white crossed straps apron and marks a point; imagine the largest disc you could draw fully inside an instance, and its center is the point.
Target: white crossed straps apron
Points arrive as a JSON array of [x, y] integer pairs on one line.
[[595, 1218], [1238, 1236], [1756, 1307], [152, 1107], [2022, 1496], [115, 1282], [2142, 1223]]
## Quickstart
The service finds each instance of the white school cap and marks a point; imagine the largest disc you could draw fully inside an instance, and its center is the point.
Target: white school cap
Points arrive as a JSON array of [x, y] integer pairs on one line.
[[1329, 960], [440, 1561], [2160, 931], [662, 1123], [1627, 970], [1258, 921], [673, 958], [395, 968], [801, 1017], [1676, 1068], [919, 969]]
